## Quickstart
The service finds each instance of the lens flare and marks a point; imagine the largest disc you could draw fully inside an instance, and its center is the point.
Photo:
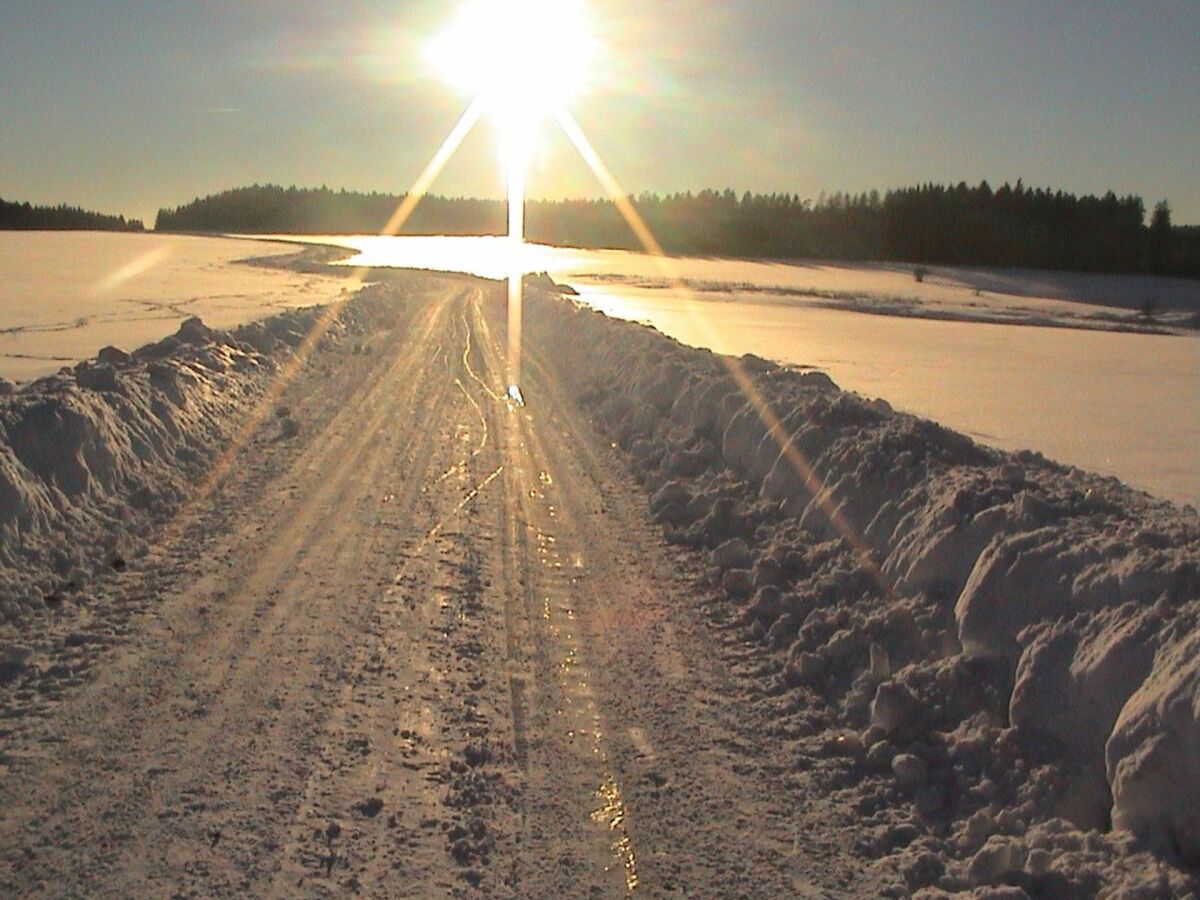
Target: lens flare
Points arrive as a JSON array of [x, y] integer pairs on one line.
[[521, 60]]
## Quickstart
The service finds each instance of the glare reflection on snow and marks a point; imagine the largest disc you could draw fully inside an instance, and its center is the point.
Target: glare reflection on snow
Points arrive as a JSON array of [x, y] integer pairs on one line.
[[579, 701], [611, 814]]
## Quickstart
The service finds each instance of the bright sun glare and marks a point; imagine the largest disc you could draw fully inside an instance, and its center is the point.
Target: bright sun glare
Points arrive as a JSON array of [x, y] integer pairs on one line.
[[523, 59]]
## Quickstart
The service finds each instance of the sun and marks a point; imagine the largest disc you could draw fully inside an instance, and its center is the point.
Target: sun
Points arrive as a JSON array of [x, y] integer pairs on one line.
[[523, 60]]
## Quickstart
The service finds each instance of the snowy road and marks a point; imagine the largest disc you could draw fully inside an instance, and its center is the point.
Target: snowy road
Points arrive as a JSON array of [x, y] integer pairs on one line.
[[431, 647], [680, 626]]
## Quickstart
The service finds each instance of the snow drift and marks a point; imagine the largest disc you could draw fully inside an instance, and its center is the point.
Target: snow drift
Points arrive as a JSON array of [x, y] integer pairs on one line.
[[1014, 641]]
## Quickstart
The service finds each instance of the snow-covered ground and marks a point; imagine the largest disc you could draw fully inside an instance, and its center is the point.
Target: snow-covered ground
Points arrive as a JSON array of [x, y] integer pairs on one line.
[[925, 667], [1122, 404], [64, 295], [1119, 403]]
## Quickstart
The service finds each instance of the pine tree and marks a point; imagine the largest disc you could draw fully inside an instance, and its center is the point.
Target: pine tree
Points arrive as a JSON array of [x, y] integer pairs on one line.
[[1160, 237]]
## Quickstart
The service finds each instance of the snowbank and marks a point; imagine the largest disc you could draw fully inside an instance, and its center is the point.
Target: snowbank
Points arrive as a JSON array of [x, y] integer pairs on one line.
[[1013, 641], [1153, 754], [91, 459]]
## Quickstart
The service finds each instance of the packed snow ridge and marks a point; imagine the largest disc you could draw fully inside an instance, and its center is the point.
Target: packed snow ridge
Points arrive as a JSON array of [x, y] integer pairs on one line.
[[93, 459], [1003, 647]]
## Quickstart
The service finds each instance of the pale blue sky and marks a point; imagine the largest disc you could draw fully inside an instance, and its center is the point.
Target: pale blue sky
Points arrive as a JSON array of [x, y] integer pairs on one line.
[[129, 105]]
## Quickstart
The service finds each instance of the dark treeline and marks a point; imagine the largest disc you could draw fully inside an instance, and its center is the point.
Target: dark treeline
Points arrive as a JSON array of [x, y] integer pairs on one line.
[[1011, 226], [268, 209], [26, 217]]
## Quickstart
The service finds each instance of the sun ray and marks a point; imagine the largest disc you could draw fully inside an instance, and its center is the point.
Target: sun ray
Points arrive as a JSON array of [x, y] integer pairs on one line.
[[144, 263], [614, 190], [453, 141], [325, 320], [259, 414], [516, 273], [774, 425], [463, 127]]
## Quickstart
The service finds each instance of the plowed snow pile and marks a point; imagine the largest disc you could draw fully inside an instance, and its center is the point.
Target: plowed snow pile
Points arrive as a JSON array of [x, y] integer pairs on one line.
[[91, 459], [998, 655]]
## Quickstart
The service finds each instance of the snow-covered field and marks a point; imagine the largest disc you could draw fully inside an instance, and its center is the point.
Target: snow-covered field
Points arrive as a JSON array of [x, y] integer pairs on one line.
[[1122, 404], [64, 295]]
